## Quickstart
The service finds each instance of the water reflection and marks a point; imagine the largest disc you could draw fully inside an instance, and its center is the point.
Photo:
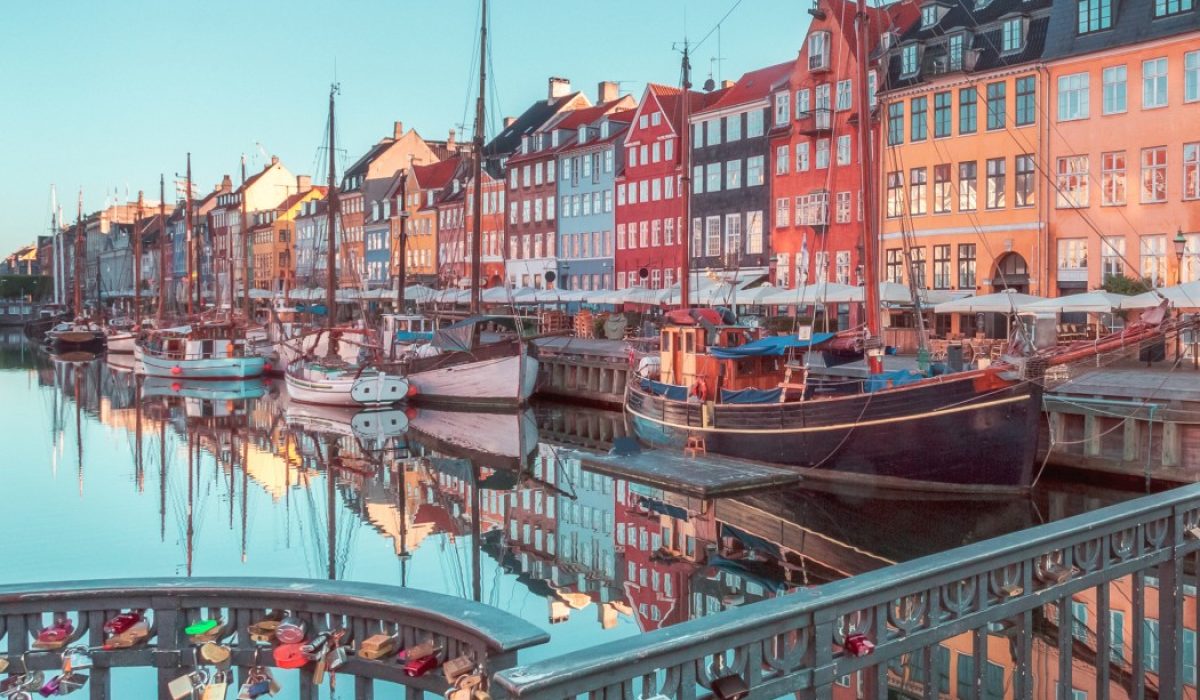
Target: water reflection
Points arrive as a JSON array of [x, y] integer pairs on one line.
[[232, 478]]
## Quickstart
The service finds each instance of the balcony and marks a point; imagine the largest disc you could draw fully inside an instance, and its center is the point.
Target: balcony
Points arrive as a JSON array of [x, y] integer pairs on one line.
[[816, 122]]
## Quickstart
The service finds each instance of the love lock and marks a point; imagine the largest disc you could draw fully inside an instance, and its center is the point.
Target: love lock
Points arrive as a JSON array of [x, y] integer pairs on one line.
[[458, 691], [136, 634], [376, 647], [56, 635], [291, 630], [76, 658], [205, 631], [457, 667], [185, 687], [217, 686], [216, 654], [259, 682], [70, 682], [119, 623], [858, 645]]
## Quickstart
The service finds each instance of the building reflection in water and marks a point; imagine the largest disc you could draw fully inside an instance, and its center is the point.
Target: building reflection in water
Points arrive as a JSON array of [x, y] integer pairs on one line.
[[507, 486]]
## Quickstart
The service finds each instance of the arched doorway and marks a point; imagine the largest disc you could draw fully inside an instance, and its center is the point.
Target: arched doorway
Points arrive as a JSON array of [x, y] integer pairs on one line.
[[1012, 272]]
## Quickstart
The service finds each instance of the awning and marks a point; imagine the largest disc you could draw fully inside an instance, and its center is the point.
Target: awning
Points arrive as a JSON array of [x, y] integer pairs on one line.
[[1005, 302], [771, 346]]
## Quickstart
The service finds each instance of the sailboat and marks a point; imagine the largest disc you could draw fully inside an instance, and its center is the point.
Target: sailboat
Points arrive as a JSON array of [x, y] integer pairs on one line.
[[723, 391], [80, 334], [332, 379]]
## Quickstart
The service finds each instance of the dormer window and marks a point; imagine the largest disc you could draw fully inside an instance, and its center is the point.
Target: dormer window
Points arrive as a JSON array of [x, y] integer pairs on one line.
[[604, 129], [908, 60], [525, 144], [1166, 8], [583, 134], [931, 15], [554, 139], [1012, 37], [954, 51], [1095, 15], [782, 108], [818, 51]]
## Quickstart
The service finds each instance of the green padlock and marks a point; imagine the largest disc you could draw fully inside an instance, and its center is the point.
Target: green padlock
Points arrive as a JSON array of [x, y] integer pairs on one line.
[[201, 627]]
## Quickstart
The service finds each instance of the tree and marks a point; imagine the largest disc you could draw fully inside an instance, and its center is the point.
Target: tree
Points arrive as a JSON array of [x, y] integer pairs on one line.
[[1120, 284]]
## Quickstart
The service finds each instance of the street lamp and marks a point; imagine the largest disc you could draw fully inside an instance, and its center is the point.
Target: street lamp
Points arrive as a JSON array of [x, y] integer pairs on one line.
[[1180, 246]]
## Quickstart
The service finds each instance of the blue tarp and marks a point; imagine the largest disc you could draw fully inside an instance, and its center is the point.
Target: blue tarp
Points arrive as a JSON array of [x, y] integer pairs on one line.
[[663, 508], [412, 337], [771, 346], [673, 392], [751, 395], [897, 377]]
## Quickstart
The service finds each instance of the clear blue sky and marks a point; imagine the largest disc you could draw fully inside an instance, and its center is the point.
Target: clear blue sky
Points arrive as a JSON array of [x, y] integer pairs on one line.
[[106, 95]]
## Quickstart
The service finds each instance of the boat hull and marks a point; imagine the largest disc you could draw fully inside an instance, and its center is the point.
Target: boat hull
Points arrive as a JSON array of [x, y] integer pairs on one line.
[[501, 381], [964, 434], [349, 389], [92, 341], [211, 368], [122, 343]]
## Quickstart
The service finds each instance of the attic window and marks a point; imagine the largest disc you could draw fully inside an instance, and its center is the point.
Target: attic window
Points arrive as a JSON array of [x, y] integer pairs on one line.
[[908, 60], [930, 14], [1094, 15], [954, 51], [1013, 35], [583, 134], [604, 129], [818, 51]]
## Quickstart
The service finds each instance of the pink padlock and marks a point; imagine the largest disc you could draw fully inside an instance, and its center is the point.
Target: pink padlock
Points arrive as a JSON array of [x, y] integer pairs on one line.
[[858, 645]]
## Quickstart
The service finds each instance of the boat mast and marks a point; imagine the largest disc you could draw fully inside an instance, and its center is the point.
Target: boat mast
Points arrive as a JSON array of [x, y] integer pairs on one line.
[[477, 208], [871, 304], [76, 271], [244, 243], [162, 248], [137, 260], [401, 271], [685, 152], [58, 280], [331, 237], [193, 272]]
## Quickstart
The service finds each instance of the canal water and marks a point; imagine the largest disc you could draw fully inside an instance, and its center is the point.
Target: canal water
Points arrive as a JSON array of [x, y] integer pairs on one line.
[[107, 474]]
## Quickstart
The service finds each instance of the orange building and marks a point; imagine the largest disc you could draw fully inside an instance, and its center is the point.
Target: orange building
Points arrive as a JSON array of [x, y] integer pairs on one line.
[[422, 189], [272, 234], [962, 201], [1123, 143]]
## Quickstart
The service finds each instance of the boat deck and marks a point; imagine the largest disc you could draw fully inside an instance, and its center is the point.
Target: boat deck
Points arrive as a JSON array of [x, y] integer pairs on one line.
[[703, 476]]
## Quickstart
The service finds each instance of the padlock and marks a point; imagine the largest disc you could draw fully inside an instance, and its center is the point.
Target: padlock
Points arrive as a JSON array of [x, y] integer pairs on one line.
[[291, 630], [416, 668], [56, 635], [123, 621], [201, 627], [256, 685], [319, 668], [337, 657], [136, 634], [185, 686], [3, 664], [858, 645], [457, 692], [376, 647], [70, 682], [217, 687], [216, 654], [315, 647], [211, 634], [290, 656], [480, 695], [421, 650], [456, 667], [51, 687], [77, 658], [263, 631], [31, 681]]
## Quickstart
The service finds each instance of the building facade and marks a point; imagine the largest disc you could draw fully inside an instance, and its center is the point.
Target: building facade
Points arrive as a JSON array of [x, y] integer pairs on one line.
[[423, 189]]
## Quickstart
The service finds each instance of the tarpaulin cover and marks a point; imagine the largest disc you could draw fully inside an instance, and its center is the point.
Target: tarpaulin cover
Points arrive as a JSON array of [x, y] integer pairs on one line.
[[661, 508], [751, 395], [461, 336], [674, 392], [751, 541], [412, 336], [771, 346], [895, 378]]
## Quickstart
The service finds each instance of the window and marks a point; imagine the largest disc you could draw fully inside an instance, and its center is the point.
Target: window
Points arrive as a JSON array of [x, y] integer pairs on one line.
[[845, 92], [966, 265], [917, 186], [754, 171], [733, 234], [895, 123], [802, 157], [1112, 178], [843, 150], [754, 233], [941, 114], [621, 237], [783, 217], [843, 207], [668, 187], [713, 129], [782, 157], [954, 51], [812, 209], [1153, 250], [1094, 15], [1012, 36], [1025, 193], [1114, 90], [1191, 76], [1112, 256], [1154, 175], [733, 130], [872, 88], [995, 183], [782, 112], [1072, 254], [655, 190], [1154, 83], [713, 177], [917, 257], [1164, 8], [1190, 265], [996, 105], [712, 236], [669, 232], [698, 179], [1191, 171], [968, 113], [824, 115], [754, 123], [930, 14], [1150, 641], [733, 174], [669, 147], [895, 194], [656, 232], [818, 51], [919, 121], [968, 180], [941, 189], [822, 153], [941, 266], [908, 60], [895, 266], [1026, 101]]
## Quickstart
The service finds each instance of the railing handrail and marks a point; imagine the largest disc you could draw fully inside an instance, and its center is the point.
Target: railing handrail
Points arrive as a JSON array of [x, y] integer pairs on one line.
[[633, 657], [500, 631]]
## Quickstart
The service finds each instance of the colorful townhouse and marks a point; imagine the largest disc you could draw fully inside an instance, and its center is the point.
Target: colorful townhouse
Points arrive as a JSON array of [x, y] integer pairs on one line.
[[964, 114], [234, 214], [365, 185], [273, 238], [422, 189], [816, 165], [1123, 143], [310, 247], [456, 229], [588, 157], [652, 164], [730, 197], [526, 150]]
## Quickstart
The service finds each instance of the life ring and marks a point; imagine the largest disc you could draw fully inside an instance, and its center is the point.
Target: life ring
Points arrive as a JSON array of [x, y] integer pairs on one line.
[[699, 390]]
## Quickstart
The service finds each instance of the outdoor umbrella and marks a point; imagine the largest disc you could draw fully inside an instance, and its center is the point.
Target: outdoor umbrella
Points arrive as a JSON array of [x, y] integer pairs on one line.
[[1097, 302], [1005, 302]]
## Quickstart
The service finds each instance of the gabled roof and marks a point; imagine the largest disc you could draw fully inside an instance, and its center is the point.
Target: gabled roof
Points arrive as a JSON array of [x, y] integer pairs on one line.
[[671, 101], [298, 197], [509, 140], [751, 87], [436, 175], [360, 166], [256, 176]]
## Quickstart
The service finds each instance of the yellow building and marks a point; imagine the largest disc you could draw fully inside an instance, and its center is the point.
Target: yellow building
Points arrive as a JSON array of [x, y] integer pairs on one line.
[[273, 238], [422, 191]]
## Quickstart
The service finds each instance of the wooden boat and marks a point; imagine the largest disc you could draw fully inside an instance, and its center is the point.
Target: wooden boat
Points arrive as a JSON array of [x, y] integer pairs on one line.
[[464, 370], [78, 335], [334, 383], [120, 336], [203, 351]]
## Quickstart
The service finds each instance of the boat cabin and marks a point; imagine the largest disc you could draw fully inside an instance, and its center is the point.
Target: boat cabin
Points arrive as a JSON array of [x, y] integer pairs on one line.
[[401, 330]]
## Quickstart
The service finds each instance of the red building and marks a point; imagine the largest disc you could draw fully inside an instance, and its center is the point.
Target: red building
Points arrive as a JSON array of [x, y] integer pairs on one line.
[[455, 230], [816, 182], [649, 208]]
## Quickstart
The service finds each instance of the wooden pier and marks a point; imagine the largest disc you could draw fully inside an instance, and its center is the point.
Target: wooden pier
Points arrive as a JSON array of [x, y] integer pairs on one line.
[[592, 371]]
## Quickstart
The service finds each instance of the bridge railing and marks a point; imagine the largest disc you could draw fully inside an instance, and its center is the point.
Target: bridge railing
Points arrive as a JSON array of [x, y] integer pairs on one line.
[[489, 637], [805, 642]]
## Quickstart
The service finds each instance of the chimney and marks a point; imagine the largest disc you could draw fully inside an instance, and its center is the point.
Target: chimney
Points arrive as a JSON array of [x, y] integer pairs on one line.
[[274, 160], [606, 92], [303, 183], [397, 130], [726, 84], [559, 87], [450, 141], [227, 183], [509, 121]]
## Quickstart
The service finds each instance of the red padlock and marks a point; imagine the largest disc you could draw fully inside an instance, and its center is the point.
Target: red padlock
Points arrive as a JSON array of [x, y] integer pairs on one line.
[[419, 667], [858, 645], [122, 622], [290, 656]]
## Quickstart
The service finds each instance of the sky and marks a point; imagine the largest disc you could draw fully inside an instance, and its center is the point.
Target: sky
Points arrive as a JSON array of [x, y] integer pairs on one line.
[[105, 96]]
